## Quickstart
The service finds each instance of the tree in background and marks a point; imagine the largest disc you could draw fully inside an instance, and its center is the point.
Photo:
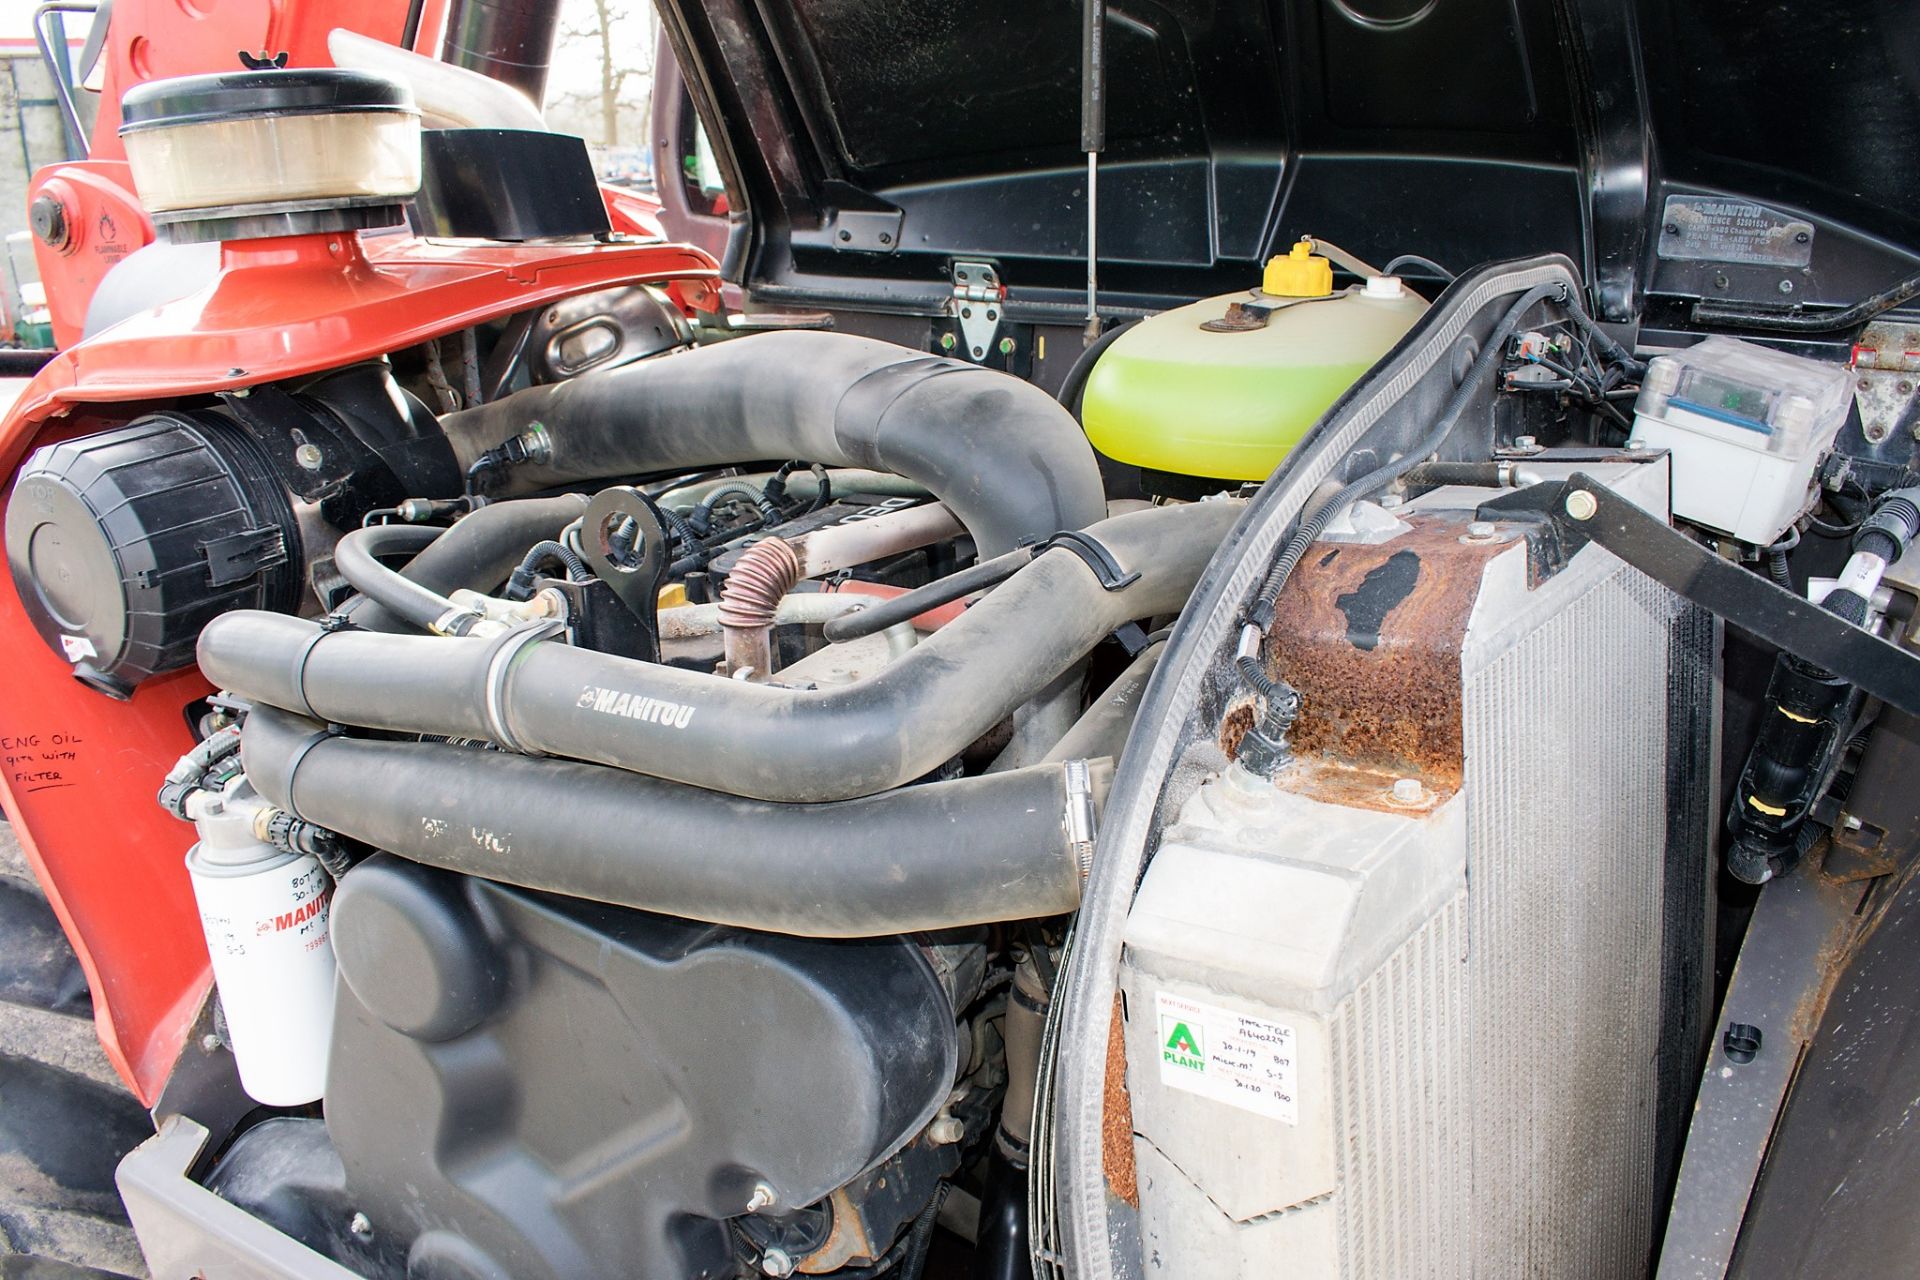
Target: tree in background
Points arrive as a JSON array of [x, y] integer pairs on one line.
[[622, 52]]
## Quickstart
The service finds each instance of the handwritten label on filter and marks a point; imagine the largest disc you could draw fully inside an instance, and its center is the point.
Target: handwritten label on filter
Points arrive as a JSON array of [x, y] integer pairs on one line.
[[1235, 1058]]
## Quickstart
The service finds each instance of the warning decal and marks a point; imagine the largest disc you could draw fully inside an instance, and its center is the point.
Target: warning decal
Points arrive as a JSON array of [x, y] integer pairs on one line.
[[1234, 1058]]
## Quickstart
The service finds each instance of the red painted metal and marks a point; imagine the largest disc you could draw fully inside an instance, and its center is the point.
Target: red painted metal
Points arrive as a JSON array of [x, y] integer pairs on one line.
[[105, 223], [153, 39], [80, 770], [296, 305]]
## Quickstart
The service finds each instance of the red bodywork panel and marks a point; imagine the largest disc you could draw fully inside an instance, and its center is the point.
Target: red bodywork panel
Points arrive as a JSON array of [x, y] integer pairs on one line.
[[81, 770]]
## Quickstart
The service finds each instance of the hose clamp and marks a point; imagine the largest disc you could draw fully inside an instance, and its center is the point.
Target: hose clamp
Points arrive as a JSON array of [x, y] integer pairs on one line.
[[299, 673], [1094, 552], [1081, 820], [499, 663], [299, 758]]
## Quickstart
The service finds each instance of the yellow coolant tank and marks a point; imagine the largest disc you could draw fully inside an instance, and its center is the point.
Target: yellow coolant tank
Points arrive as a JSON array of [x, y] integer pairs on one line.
[[1226, 387]]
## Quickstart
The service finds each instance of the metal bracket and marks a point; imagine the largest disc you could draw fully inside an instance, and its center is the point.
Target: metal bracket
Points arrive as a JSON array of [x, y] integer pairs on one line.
[[1583, 510], [1794, 947], [636, 570], [978, 303], [1886, 366]]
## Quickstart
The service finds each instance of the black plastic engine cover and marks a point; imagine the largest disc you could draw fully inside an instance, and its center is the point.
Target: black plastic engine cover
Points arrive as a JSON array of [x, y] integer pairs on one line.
[[534, 1087]]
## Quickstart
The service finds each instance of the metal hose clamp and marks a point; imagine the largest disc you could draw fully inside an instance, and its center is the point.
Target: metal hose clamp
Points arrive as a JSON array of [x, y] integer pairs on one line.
[[1080, 820], [505, 650]]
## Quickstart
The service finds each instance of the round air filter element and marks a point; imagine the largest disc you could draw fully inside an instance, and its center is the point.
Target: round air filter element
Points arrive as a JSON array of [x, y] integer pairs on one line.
[[271, 152]]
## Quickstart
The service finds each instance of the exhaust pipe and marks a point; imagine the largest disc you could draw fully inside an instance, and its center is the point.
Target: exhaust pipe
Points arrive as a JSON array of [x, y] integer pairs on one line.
[[762, 741], [939, 856]]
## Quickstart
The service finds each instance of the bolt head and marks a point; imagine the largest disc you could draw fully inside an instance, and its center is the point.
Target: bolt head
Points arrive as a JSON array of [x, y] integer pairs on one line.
[[1525, 442], [948, 342], [1408, 791], [1582, 505], [776, 1262], [361, 1225], [49, 220], [309, 457], [1479, 530], [210, 1043], [1786, 286]]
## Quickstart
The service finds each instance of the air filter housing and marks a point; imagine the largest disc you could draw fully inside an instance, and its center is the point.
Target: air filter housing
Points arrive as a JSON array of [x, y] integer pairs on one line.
[[269, 152]]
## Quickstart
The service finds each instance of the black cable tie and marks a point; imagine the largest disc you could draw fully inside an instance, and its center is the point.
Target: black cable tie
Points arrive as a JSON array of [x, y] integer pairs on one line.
[[1094, 552]]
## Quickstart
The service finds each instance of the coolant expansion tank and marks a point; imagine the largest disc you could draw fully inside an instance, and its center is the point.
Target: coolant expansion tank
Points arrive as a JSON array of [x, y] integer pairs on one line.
[[1225, 387]]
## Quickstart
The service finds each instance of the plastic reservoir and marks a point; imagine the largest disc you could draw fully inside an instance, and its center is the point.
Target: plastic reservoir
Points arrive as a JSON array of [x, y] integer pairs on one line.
[[1231, 403]]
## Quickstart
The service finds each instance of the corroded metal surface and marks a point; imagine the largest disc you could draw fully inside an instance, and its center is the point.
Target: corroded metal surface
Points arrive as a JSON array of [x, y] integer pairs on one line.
[[1371, 637]]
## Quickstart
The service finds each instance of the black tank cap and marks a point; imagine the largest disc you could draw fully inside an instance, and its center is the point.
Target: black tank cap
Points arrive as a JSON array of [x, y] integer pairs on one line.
[[231, 95]]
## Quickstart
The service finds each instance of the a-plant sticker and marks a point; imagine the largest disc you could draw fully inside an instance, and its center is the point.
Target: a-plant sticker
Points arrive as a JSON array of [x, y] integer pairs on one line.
[[1235, 1058], [1183, 1047]]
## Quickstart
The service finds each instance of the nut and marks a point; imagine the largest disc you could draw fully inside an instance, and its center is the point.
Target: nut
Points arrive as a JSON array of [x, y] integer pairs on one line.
[[309, 457], [361, 1225], [945, 1131], [762, 1198]]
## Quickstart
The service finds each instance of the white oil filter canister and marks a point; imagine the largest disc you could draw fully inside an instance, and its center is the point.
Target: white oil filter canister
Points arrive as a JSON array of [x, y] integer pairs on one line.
[[265, 915]]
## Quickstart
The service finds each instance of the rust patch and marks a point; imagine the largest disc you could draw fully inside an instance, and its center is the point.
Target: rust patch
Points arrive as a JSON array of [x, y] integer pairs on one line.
[[1116, 1118], [1370, 636], [1356, 786], [1233, 729]]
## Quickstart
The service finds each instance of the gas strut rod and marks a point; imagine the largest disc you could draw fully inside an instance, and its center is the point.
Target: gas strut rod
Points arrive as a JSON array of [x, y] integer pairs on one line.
[[1093, 140]]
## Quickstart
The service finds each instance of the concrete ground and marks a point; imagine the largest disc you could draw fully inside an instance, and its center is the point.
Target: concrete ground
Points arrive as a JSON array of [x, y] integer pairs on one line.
[[65, 1117]]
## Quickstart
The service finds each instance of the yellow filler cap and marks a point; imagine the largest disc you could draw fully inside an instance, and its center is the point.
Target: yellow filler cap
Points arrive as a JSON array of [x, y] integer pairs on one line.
[[1301, 274]]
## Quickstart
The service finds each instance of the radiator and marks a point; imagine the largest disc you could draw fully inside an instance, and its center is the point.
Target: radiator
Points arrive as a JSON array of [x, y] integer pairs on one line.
[[1400, 1013]]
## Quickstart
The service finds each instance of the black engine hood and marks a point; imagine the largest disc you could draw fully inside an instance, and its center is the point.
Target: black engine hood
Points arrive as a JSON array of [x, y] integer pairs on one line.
[[1744, 151]]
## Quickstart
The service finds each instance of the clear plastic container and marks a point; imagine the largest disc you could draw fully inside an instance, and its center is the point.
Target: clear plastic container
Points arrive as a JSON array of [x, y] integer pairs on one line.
[[1747, 427], [255, 160]]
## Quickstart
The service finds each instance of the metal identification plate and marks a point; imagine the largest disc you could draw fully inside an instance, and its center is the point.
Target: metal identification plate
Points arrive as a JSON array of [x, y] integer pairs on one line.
[[1714, 229]]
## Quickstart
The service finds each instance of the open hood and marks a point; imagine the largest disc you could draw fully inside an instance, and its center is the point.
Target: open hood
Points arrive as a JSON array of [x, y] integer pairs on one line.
[[1736, 151]]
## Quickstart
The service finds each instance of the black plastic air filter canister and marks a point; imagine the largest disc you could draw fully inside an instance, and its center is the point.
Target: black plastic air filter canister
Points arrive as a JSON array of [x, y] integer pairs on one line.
[[124, 544]]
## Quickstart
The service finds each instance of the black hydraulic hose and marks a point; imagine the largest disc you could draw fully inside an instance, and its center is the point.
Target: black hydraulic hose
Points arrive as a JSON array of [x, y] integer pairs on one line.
[[1809, 321], [928, 857], [876, 618], [479, 551], [759, 740], [1010, 462], [356, 557]]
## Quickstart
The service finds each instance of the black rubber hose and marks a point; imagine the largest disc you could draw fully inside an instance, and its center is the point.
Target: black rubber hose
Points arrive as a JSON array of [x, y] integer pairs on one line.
[[1104, 727], [1010, 462], [929, 857], [356, 557], [877, 617], [1809, 321], [1074, 385], [545, 552], [1415, 260], [760, 740], [478, 552]]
